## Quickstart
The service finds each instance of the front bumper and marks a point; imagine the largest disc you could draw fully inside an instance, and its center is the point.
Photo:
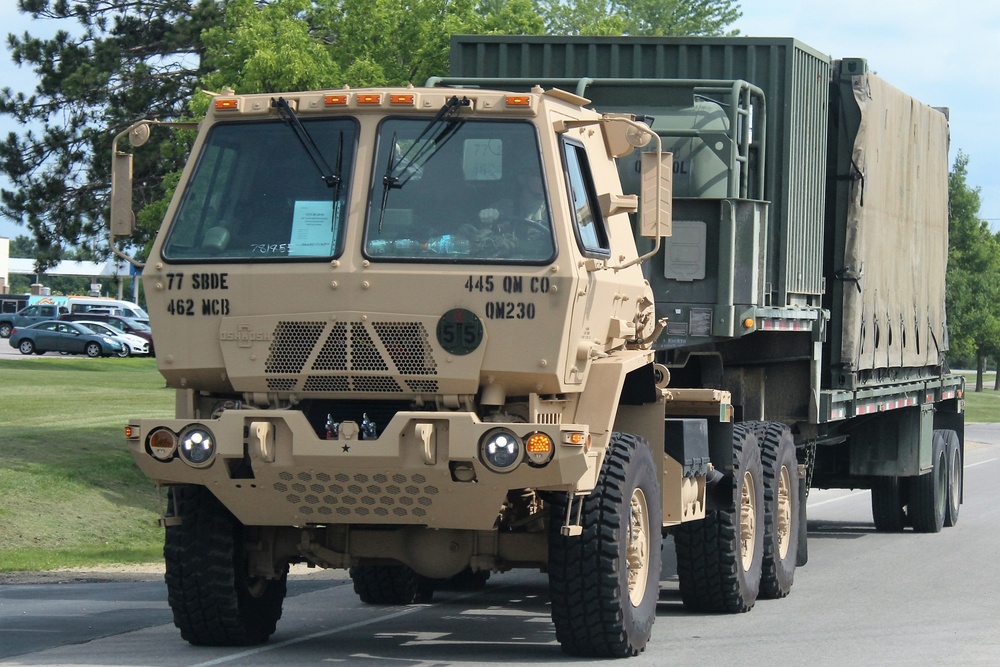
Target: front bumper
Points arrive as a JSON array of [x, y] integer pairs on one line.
[[423, 469]]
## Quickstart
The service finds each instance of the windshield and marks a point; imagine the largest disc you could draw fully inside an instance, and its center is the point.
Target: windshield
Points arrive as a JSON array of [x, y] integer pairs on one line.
[[256, 194], [472, 191], [99, 328]]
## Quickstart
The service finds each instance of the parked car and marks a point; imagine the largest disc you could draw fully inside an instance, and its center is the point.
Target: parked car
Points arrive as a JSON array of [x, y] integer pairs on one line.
[[132, 344], [59, 336], [38, 312], [126, 324]]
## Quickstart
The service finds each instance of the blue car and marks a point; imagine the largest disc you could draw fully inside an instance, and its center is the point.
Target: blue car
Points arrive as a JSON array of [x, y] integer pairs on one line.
[[65, 337]]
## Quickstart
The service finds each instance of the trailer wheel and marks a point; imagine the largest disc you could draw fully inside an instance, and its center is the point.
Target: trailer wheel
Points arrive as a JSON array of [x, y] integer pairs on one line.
[[956, 475], [719, 558], [215, 601], [604, 584], [781, 508], [390, 584], [929, 495], [888, 504]]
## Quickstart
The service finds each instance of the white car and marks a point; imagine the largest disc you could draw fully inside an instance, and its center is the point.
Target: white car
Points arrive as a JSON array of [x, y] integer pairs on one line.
[[131, 344]]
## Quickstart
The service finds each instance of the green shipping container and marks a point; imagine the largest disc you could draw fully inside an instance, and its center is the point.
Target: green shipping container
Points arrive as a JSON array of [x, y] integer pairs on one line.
[[626, 75]]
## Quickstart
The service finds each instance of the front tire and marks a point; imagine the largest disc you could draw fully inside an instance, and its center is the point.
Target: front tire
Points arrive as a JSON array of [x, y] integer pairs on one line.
[[215, 601], [5, 329], [124, 352], [93, 350], [604, 584], [719, 558]]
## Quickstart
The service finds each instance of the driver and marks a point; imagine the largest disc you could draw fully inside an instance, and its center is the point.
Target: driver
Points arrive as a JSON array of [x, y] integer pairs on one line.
[[525, 200]]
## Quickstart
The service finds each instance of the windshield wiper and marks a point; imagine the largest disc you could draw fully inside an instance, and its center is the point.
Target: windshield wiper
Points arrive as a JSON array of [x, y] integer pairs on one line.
[[440, 129], [329, 175]]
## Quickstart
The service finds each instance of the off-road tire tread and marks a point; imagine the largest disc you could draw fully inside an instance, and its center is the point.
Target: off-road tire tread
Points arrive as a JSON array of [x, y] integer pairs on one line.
[[773, 583], [389, 585], [201, 575], [708, 560], [587, 600]]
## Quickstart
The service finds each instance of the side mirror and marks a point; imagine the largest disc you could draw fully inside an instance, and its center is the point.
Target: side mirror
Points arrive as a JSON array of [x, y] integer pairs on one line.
[[656, 212], [122, 216]]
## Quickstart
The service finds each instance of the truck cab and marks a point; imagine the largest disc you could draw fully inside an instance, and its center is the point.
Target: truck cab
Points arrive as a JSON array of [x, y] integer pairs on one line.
[[399, 323]]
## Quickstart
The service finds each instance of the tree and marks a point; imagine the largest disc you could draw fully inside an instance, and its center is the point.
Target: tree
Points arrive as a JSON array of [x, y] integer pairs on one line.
[[639, 17], [973, 294], [124, 60]]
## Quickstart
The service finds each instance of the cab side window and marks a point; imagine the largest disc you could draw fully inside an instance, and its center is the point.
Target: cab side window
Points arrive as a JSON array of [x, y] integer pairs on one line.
[[591, 234]]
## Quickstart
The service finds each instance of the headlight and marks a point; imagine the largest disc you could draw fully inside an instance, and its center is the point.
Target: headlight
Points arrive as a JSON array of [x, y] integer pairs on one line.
[[500, 450], [197, 447], [162, 444]]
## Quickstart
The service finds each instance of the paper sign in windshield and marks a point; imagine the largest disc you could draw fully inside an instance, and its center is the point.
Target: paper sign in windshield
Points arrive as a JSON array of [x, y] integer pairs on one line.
[[312, 229]]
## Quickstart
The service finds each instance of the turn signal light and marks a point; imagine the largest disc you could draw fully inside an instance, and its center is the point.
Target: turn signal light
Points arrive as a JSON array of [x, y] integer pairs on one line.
[[162, 444], [539, 448]]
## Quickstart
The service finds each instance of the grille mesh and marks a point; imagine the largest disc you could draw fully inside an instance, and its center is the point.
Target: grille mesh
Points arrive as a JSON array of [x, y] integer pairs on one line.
[[352, 357], [291, 345], [333, 356], [407, 345]]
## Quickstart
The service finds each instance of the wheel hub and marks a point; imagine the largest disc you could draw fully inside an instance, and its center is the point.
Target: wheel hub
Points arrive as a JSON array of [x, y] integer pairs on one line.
[[637, 551], [748, 521], [784, 523]]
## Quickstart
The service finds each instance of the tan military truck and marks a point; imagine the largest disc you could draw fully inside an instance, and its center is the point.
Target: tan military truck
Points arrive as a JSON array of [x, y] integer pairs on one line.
[[413, 333]]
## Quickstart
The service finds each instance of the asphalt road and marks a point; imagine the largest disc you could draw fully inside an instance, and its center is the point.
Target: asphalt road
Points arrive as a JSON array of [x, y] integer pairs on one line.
[[864, 597]]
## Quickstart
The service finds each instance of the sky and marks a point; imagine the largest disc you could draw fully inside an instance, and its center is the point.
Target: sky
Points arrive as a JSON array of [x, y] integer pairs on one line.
[[942, 52]]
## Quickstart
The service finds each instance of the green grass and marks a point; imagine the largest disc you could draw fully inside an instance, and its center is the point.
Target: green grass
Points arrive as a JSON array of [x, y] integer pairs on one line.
[[70, 494], [982, 406]]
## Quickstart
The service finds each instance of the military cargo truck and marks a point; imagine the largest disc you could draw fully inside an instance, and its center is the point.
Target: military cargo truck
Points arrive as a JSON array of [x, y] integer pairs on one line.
[[581, 294]]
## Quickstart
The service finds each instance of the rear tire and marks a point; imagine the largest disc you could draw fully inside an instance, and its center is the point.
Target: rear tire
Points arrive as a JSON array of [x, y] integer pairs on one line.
[[719, 558], [888, 504], [604, 584], [956, 476], [214, 599], [5, 329], [781, 508], [390, 584], [26, 346], [929, 501]]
